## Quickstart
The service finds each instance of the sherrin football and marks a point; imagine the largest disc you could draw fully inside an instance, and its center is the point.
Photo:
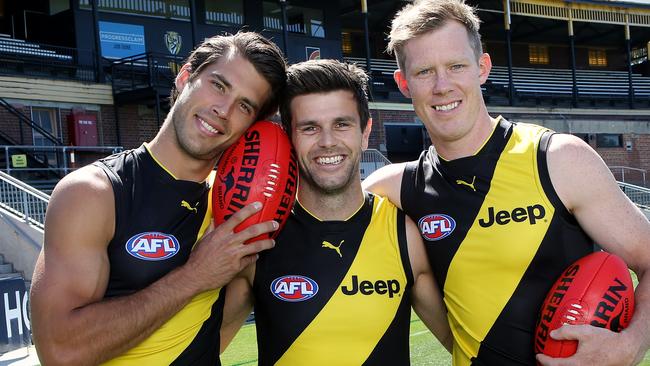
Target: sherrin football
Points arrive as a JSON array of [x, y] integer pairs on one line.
[[597, 289], [260, 166]]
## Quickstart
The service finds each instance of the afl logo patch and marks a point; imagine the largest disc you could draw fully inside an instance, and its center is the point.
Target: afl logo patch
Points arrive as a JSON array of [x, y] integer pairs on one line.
[[436, 226], [152, 246], [294, 288]]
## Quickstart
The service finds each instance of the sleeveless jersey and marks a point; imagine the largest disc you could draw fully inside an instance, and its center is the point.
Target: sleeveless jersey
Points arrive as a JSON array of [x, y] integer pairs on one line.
[[158, 219], [497, 236], [336, 292]]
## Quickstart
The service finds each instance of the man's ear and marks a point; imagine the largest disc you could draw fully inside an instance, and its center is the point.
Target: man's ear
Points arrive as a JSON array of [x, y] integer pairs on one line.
[[484, 65], [400, 80], [183, 77], [366, 135]]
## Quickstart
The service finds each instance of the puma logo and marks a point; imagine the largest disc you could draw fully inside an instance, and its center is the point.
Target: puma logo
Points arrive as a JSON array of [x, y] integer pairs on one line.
[[327, 244], [189, 207], [470, 185]]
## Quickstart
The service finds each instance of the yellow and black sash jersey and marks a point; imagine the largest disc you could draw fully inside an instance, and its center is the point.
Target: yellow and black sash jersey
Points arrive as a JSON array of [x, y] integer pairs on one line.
[[336, 292], [158, 219], [497, 236]]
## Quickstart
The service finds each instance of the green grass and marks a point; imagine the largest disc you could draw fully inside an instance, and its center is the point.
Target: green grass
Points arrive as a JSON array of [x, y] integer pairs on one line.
[[425, 348]]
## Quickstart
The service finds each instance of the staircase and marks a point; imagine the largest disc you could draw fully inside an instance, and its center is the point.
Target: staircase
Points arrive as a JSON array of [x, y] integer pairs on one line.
[[7, 269]]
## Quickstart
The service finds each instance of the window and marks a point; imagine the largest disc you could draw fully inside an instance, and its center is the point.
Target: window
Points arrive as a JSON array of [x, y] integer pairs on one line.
[[597, 57], [609, 140], [299, 19], [224, 12], [639, 55], [46, 119], [176, 9], [346, 43], [538, 54]]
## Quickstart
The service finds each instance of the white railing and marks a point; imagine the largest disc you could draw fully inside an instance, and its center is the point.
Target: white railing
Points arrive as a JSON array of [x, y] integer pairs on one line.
[[371, 160], [634, 174], [639, 195], [58, 159], [23, 200]]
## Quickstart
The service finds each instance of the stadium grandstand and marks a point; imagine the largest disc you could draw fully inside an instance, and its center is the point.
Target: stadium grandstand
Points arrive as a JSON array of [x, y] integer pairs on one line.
[[81, 79]]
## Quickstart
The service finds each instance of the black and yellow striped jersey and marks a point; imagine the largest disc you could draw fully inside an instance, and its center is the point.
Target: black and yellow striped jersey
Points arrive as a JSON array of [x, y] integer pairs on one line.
[[336, 292], [158, 219], [497, 236]]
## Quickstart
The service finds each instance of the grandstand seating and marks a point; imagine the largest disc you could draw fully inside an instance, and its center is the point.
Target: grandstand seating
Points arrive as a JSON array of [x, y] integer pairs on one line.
[[21, 48], [534, 82]]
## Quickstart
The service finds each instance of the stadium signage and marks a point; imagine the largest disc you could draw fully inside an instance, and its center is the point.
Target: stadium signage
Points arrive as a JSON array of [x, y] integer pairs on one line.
[[15, 324]]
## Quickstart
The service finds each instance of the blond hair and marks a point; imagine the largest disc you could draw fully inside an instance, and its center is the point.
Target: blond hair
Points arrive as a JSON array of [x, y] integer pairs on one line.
[[423, 16]]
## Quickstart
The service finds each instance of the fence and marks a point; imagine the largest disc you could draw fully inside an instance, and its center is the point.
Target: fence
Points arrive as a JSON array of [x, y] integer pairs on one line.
[[23, 200]]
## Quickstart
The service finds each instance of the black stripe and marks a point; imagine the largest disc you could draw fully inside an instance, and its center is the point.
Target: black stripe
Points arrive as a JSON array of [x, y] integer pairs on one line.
[[299, 251], [545, 178], [402, 242], [430, 183], [393, 347], [204, 348]]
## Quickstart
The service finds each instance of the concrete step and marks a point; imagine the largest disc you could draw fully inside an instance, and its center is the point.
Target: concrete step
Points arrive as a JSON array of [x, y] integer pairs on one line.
[[6, 268]]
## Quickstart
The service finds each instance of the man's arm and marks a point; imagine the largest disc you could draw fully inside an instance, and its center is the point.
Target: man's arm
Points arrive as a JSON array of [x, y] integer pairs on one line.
[[387, 182], [71, 322], [427, 299], [238, 305], [587, 188]]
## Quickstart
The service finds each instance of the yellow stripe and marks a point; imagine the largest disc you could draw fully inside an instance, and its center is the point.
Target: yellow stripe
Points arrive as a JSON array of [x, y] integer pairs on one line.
[[164, 346], [170, 340], [489, 264], [325, 341]]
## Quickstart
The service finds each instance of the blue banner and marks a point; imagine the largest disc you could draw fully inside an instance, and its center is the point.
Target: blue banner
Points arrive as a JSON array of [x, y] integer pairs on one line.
[[121, 40], [14, 315]]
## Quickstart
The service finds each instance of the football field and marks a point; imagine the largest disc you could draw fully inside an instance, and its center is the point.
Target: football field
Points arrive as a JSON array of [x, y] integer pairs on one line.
[[425, 348]]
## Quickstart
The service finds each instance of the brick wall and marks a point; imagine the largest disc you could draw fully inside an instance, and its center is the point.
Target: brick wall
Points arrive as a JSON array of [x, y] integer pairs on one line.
[[381, 116], [637, 157], [138, 124], [10, 125]]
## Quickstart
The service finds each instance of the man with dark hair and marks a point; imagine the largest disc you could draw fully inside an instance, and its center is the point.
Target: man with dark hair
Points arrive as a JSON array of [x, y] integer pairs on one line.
[[338, 287], [130, 272], [516, 203]]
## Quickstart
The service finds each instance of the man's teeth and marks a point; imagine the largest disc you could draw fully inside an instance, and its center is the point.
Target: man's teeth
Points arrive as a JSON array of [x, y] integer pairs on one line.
[[446, 107], [208, 127], [330, 159]]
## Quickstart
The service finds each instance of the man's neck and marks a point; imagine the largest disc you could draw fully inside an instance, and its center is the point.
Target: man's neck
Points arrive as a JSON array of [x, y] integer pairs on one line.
[[468, 145], [331, 207], [176, 161]]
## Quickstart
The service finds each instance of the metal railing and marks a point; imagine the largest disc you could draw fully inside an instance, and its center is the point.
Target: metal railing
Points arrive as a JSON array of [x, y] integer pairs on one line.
[[144, 70], [65, 158], [371, 160], [639, 195], [23, 200], [636, 175]]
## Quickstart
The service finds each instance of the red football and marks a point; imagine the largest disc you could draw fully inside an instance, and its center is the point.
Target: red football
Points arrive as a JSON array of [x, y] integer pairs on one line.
[[260, 166], [597, 289]]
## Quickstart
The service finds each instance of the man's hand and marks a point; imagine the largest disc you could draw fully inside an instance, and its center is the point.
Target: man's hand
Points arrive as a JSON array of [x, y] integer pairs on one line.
[[221, 253], [596, 346]]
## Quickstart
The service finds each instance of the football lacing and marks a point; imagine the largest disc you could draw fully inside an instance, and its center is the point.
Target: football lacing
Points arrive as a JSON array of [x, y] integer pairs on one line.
[[269, 189]]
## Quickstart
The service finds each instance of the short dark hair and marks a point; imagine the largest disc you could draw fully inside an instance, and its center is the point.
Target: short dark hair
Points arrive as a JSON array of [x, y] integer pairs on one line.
[[423, 16], [265, 56], [322, 76]]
